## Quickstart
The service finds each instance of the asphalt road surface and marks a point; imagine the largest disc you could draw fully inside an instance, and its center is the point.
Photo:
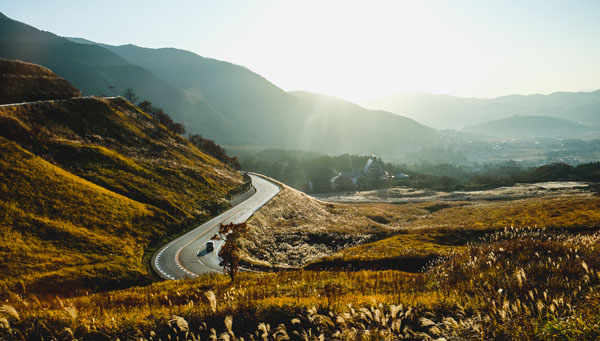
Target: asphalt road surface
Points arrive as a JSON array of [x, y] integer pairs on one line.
[[187, 257]]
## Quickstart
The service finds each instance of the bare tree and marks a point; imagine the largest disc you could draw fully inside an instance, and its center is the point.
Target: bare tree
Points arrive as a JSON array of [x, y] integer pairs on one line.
[[130, 95], [162, 117]]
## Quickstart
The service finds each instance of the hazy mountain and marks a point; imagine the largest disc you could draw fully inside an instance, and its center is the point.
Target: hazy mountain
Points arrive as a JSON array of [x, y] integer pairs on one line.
[[443, 111], [269, 116], [97, 71], [260, 113], [219, 100], [333, 121], [273, 117], [532, 126]]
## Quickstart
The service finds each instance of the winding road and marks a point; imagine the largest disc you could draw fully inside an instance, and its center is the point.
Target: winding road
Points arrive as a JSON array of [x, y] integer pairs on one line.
[[187, 257]]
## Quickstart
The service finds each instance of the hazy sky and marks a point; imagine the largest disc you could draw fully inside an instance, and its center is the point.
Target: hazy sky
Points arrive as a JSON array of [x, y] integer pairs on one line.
[[357, 49]]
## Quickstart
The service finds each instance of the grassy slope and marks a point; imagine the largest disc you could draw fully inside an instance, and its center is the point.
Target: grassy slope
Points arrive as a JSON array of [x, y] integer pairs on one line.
[[293, 229], [514, 284], [89, 185], [162, 183], [113, 144], [24, 82], [452, 225], [61, 232]]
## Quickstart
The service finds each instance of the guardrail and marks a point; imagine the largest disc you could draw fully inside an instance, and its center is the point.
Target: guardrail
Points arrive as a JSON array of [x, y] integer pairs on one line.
[[245, 187]]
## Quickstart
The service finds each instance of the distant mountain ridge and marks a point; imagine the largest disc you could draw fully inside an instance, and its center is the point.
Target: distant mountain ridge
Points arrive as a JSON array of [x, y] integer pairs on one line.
[[531, 126], [291, 120], [444, 111], [361, 130], [97, 71], [220, 100]]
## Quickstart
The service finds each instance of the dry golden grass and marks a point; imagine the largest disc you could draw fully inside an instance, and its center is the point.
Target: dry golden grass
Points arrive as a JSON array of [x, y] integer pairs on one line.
[[88, 186], [61, 233], [566, 211], [515, 284], [431, 230], [25, 82], [113, 144], [294, 228]]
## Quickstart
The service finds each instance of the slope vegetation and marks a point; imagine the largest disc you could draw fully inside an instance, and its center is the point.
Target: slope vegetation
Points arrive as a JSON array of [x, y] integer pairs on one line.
[[114, 144], [24, 82], [61, 233], [517, 285], [88, 185], [293, 229]]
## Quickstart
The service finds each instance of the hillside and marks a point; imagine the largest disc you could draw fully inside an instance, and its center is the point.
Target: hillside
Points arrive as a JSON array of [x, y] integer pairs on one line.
[[24, 82], [337, 126], [513, 284], [258, 112], [444, 111], [530, 126], [293, 229], [269, 117], [63, 234], [219, 100], [92, 184], [97, 71]]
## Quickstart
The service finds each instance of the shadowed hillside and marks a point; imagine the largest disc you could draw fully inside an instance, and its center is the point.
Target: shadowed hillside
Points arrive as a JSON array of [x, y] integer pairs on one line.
[[222, 101], [97, 71], [268, 116], [24, 82]]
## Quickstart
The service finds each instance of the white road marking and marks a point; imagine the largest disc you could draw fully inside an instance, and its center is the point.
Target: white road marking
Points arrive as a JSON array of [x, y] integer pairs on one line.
[[235, 214]]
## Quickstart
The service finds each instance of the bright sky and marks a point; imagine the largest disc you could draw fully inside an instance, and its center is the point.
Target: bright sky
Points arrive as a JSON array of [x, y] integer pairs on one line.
[[357, 49]]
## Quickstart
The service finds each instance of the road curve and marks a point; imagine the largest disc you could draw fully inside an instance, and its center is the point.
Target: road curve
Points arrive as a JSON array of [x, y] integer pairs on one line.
[[186, 256]]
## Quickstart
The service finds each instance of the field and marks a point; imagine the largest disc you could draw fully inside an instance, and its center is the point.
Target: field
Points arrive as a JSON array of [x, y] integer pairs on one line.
[[499, 269], [295, 230], [516, 284], [401, 195]]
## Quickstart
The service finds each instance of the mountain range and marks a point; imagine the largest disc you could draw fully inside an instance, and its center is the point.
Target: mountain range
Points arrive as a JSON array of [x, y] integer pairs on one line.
[[239, 108], [219, 100], [449, 112], [518, 126]]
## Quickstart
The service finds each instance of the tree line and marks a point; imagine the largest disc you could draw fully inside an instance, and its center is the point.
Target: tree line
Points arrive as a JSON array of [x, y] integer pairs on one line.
[[207, 145], [297, 168]]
